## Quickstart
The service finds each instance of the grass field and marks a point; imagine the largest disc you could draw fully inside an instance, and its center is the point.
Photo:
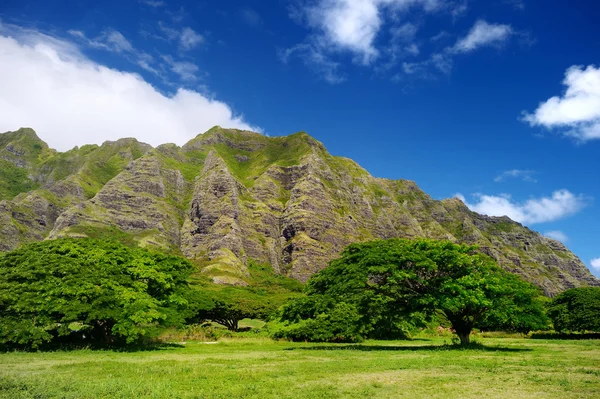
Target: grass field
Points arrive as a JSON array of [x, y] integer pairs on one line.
[[260, 368]]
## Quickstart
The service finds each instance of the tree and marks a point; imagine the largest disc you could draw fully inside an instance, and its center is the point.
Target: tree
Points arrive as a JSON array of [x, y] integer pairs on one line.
[[227, 306], [88, 289], [576, 309], [397, 281]]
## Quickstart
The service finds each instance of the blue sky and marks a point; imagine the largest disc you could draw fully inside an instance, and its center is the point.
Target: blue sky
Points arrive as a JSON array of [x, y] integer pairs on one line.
[[496, 101]]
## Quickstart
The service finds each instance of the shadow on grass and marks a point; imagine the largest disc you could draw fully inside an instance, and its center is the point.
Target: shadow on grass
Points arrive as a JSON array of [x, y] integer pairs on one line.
[[146, 348], [567, 336], [95, 347], [412, 348]]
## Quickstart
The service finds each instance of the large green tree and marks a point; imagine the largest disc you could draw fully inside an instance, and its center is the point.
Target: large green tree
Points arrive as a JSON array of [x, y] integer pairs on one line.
[[88, 289], [401, 281], [576, 309]]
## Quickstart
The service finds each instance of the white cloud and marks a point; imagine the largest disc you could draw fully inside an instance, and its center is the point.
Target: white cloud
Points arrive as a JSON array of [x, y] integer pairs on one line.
[[110, 40], [443, 35], [459, 10], [412, 49], [153, 3], [516, 4], [353, 25], [316, 60], [251, 17], [114, 41], [442, 62], [185, 70], [483, 34], [577, 112], [348, 25], [525, 175], [402, 42], [189, 39], [171, 33], [404, 33], [561, 204], [557, 235], [423, 69], [47, 84], [382, 34], [595, 263]]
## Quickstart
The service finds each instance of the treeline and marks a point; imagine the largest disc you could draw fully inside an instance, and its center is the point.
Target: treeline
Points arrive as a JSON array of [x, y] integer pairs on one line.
[[90, 292]]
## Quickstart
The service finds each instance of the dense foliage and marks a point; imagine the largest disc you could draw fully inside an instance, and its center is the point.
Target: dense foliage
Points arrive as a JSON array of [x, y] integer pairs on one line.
[[89, 290], [320, 319], [387, 286], [576, 309]]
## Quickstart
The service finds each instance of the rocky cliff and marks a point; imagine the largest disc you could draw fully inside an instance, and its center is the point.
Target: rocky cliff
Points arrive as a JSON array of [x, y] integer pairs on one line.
[[228, 196]]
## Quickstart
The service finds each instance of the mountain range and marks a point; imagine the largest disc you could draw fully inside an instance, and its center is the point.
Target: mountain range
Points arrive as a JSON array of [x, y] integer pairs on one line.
[[230, 196]]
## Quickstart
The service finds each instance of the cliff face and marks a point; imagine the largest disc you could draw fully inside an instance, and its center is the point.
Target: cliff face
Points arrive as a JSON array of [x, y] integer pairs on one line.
[[228, 196]]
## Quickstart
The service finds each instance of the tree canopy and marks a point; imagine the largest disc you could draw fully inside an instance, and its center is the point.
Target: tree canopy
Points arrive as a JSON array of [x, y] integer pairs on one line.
[[576, 309], [227, 306], [400, 282], [95, 290]]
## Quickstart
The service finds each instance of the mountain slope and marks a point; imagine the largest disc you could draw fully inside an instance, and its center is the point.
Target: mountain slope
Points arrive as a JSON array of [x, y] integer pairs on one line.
[[228, 196]]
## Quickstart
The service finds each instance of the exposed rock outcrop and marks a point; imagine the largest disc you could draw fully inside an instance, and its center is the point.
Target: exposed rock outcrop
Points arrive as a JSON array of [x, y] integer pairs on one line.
[[230, 196]]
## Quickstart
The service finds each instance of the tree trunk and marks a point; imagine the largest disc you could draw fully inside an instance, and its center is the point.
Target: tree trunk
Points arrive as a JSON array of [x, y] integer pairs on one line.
[[231, 324], [465, 338], [462, 327], [104, 329]]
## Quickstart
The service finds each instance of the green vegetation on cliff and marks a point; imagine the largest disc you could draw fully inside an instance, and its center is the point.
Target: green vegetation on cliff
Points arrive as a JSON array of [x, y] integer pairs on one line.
[[13, 181], [228, 196]]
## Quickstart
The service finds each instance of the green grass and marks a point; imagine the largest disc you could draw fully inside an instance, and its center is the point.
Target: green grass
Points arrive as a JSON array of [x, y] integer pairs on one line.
[[260, 368]]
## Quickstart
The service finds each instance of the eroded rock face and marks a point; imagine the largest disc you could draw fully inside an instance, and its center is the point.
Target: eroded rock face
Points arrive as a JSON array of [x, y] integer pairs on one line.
[[231, 196], [213, 219], [135, 201]]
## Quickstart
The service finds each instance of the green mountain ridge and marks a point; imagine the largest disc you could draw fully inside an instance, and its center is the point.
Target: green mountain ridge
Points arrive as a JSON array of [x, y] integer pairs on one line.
[[229, 196]]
